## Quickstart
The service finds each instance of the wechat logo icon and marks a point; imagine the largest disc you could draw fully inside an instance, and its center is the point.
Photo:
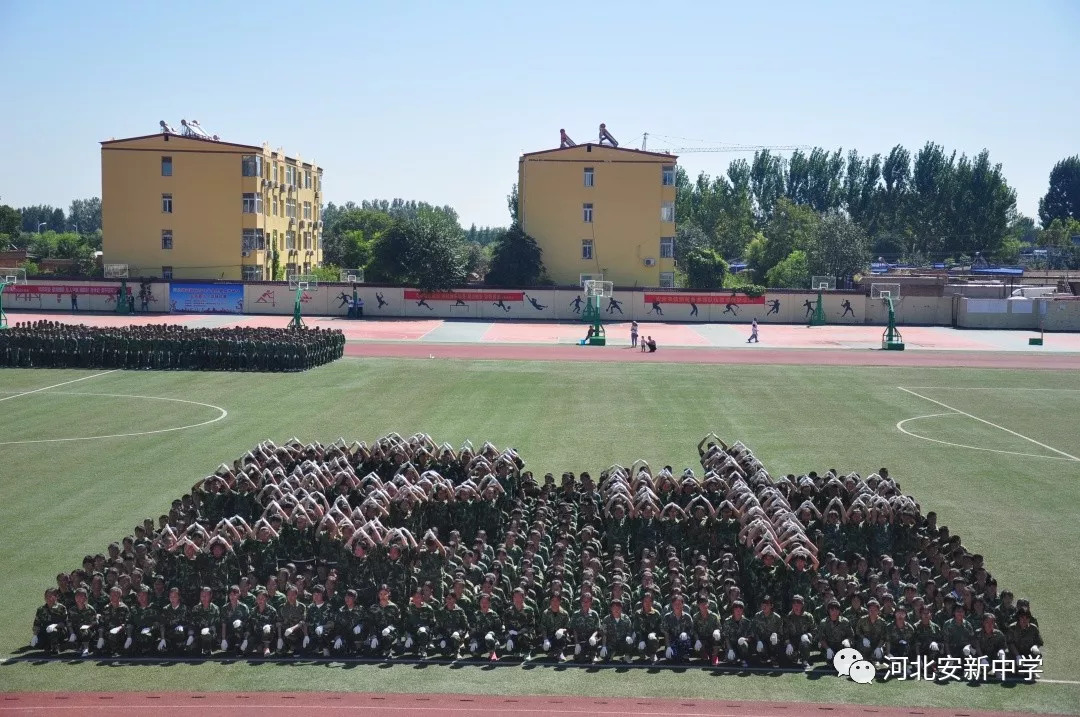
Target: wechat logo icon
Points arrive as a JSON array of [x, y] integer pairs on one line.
[[849, 663]]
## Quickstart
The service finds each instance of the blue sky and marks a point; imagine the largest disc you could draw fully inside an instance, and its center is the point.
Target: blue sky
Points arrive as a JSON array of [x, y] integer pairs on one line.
[[436, 100]]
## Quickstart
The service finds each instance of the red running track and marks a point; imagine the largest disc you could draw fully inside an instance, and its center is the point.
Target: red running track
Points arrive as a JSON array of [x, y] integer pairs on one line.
[[800, 357], [289, 704]]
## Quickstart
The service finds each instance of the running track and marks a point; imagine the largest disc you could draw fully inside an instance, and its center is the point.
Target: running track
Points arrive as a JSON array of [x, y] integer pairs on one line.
[[801, 357], [288, 704]]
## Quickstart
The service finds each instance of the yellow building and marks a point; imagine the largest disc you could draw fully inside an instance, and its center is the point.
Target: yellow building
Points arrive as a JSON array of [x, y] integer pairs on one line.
[[189, 206], [600, 211]]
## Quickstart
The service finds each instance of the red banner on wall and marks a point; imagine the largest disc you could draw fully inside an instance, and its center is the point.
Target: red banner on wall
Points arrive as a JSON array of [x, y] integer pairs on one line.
[[703, 299], [38, 289], [416, 295]]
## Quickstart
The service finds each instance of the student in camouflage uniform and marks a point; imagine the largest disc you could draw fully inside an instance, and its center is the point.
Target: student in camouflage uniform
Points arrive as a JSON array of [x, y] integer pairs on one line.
[[928, 640], [708, 632], [678, 629], [349, 624], [872, 633], [555, 627], [768, 631], [264, 626], [318, 623], [50, 623], [489, 630], [83, 622], [175, 630], [419, 623], [585, 630], [739, 633], [1023, 638], [900, 640], [293, 621], [834, 631], [617, 630], [990, 642], [452, 627], [958, 635], [234, 620], [203, 622], [800, 632], [144, 626], [520, 622], [114, 624], [649, 628], [384, 622]]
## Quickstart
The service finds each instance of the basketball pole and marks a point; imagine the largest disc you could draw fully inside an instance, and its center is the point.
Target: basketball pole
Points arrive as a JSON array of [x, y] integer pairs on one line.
[[297, 320], [818, 319], [3, 314]]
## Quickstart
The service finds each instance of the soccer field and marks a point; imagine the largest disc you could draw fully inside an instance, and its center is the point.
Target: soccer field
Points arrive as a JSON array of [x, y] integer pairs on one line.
[[84, 455]]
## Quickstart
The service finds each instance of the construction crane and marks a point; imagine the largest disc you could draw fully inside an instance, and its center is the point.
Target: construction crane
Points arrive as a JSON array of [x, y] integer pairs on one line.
[[725, 148]]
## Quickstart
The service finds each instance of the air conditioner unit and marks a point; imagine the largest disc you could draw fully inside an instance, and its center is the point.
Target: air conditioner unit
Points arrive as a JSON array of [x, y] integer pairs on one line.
[[649, 261], [245, 253]]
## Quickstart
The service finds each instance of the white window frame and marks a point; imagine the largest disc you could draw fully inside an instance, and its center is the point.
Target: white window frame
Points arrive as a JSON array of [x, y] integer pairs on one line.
[[307, 179], [590, 177], [667, 175], [667, 247], [254, 159], [290, 208], [166, 204], [307, 210], [667, 280], [166, 238], [252, 202], [587, 249], [667, 212], [587, 212], [290, 239], [166, 272], [166, 160]]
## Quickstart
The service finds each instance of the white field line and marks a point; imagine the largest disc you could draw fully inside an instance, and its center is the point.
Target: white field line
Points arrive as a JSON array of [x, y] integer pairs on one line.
[[58, 385], [995, 388], [222, 413], [900, 427], [988, 423]]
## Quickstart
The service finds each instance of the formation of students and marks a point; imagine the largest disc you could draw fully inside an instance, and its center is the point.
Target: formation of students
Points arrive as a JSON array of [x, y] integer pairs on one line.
[[54, 344], [410, 548]]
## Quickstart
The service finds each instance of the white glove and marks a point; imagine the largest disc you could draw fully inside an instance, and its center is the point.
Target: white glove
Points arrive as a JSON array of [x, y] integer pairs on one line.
[[442, 644], [828, 655], [744, 642], [866, 642], [179, 629], [805, 640], [934, 647], [236, 624], [560, 633], [424, 631], [716, 635], [280, 644], [337, 643], [472, 645], [190, 640], [456, 635], [33, 641], [547, 645], [71, 637], [161, 645], [592, 640], [374, 643], [408, 642], [306, 641], [387, 630], [289, 631], [513, 633], [878, 654], [319, 630], [116, 630], [224, 644], [127, 644], [1035, 651], [683, 637], [1001, 654], [266, 629], [697, 645], [641, 646], [100, 643], [489, 637], [652, 636], [731, 656], [577, 649], [629, 640], [510, 645], [244, 645], [846, 643], [760, 646], [205, 632], [668, 653], [774, 639], [145, 631], [967, 651], [357, 629], [51, 628], [603, 653], [789, 650]]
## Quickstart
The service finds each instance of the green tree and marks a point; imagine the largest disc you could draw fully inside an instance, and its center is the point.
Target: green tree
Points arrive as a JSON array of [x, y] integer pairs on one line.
[[704, 268], [516, 260], [839, 249], [426, 251], [10, 221], [1062, 200], [1059, 233], [85, 214], [757, 256], [514, 205], [477, 259], [791, 273], [791, 227]]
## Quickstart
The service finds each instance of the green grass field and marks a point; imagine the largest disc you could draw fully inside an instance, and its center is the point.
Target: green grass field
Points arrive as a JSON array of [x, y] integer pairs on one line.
[[1016, 507]]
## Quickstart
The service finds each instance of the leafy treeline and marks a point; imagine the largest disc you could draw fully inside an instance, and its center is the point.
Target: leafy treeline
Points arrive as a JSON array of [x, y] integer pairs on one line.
[[827, 212], [51, 233]]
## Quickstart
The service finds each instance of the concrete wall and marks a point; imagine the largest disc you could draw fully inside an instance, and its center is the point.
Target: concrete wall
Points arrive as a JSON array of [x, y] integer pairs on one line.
[[43, 295]]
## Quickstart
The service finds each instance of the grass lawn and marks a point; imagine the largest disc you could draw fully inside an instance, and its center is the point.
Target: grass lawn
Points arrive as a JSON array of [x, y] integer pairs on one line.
[[1016, 506]]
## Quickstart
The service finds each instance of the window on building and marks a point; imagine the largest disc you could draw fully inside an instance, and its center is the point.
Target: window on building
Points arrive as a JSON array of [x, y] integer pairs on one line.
[[307, 210], [265, 206], [667, 212], [667, 247], [586, 248], [166, 272], [253, 239], [273, 206], [252, 203], [590, 177], [307, 240], [290, 175], [251, 165], [166, 203], [307, 179], [586, 213], [667, 280], [166, 238], [290, 208], [290, 240], [166, 166], [252, 272], [273, 240], [307, 268], [667, 177]]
